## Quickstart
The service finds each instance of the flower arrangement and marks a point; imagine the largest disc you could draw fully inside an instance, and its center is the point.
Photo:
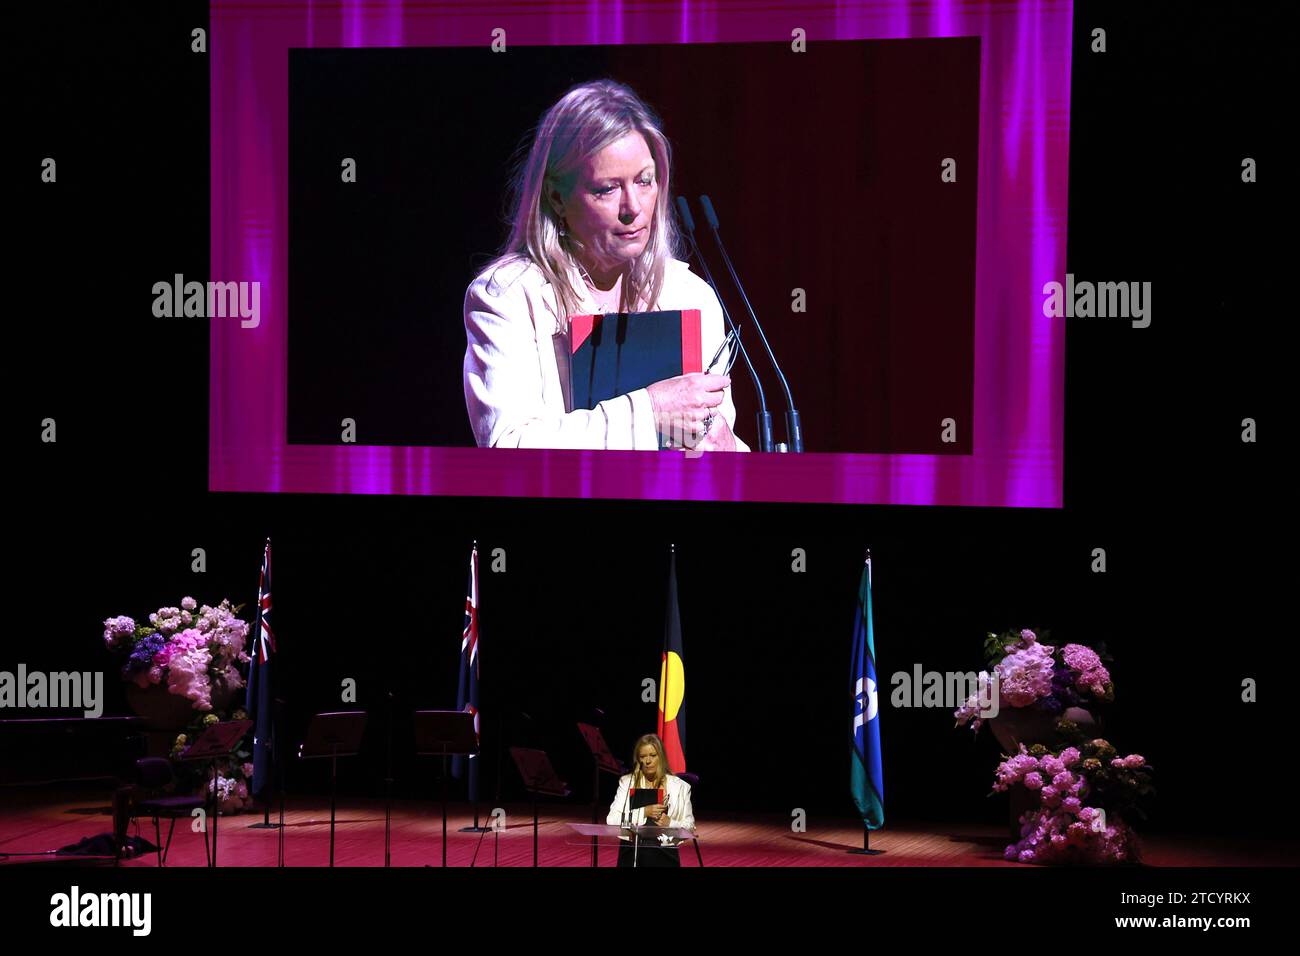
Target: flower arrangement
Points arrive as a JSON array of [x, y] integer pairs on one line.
[[1031, 673], [1084, 791], [194, 650], [234, 774]]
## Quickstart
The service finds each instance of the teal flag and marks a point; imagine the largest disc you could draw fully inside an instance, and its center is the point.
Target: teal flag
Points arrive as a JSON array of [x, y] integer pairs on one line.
[[866, 779]]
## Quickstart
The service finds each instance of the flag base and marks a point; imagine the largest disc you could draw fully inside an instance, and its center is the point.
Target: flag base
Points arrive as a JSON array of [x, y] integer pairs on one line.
[[865, 849]]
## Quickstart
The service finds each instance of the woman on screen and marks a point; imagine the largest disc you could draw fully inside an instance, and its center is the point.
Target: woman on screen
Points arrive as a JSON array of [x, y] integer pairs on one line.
[[592, 232], [650, 794]]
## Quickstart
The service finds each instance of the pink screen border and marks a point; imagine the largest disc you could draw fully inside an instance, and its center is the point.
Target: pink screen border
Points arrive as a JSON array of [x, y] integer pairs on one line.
[[1019, 401]]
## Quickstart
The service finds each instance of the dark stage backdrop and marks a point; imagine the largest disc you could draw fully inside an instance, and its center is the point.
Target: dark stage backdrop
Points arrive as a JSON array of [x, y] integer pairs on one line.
[[373, 589], [824, 170], [1195, 597]]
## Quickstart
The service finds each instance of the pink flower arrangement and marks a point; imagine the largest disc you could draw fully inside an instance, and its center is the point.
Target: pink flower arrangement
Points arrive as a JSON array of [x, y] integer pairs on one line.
[[233, 773], [1077, 820], [193, 649], [1031, 673]]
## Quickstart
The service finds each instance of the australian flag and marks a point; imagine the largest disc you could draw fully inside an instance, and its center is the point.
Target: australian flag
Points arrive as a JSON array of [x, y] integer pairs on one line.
[[866, 779], [258, 698], [467, 689]]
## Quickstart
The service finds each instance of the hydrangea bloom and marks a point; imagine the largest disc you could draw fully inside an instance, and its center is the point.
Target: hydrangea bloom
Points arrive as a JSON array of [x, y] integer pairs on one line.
[[1093, 675], [117, 630], [1025, 675], [187, 670], [232, 794], [1016, 769], [166, 619], [140, 666]]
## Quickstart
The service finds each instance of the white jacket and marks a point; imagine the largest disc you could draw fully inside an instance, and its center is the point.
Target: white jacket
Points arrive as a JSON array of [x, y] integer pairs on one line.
[[677, 794], [516, 369]]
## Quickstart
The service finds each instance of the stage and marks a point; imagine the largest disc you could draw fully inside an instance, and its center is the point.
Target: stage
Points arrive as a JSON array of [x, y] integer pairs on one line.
[[32, 822]]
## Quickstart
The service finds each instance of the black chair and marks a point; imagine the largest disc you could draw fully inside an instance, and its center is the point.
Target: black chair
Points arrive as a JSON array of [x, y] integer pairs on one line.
[[155, 775]]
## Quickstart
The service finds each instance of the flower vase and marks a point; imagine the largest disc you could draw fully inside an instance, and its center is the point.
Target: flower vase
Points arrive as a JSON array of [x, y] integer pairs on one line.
[[161, 709], [1014, 726]]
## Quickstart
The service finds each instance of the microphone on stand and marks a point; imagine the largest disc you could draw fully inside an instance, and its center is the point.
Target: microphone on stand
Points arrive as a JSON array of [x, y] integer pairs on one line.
[[625, 820], [764, 416], [793, 425]]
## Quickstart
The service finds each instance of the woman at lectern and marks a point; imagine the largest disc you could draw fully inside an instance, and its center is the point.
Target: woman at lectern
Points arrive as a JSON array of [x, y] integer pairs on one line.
[[592, 232], [650, 794]]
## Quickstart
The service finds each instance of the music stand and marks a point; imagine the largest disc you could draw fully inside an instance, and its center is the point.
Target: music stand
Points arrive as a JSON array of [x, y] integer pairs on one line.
[[334, 734], [602, 761], [539, 779], [444, 733], [219, 740]]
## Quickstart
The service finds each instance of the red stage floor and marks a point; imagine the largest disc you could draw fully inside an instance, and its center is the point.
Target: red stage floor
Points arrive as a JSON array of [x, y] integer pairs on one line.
[[30, 823]]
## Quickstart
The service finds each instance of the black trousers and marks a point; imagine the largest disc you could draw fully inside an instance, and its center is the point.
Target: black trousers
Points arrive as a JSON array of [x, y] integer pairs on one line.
[[650, 854]]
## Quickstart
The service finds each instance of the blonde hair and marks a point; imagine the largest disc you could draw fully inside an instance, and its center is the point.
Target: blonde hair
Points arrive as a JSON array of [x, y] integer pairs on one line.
[[655, 741], [582, 122]]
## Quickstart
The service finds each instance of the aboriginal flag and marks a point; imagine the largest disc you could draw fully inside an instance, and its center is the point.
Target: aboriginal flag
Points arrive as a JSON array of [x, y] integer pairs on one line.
[[672, 679]]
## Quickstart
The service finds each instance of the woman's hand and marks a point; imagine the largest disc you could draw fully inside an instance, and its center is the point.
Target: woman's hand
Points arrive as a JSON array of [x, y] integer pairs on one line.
[[719, 438], [656, 812], [682, 404]]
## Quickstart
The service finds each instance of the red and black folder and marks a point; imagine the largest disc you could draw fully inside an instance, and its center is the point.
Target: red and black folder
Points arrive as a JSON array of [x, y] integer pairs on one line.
[[614, 354], [641, 797]]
